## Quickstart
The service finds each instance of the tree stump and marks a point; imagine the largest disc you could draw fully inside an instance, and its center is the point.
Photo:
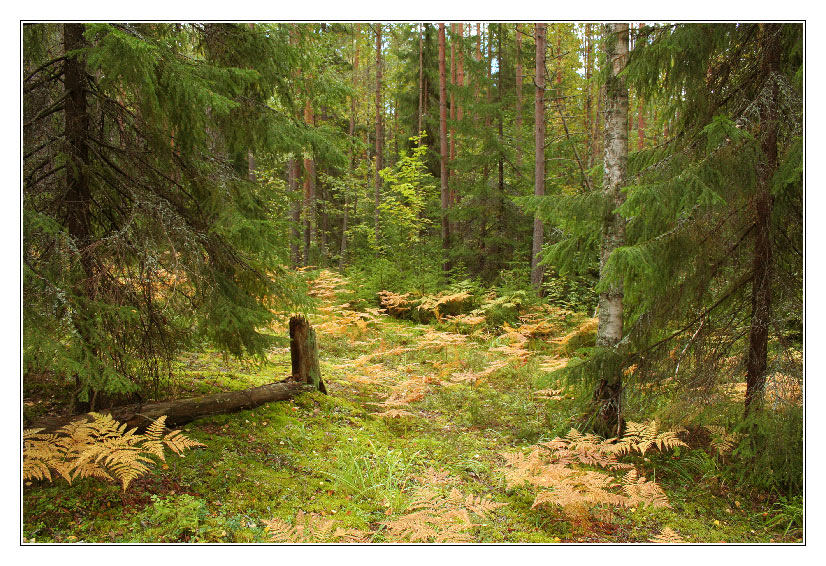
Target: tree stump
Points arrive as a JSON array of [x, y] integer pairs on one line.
[[304, 353]]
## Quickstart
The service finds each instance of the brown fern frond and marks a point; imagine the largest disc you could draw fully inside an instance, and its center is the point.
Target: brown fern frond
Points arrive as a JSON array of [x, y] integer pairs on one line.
[[351, 535], [433, 517], [306, 528], [280, 531], [36, 469], [643, 492], [39, 454], [481, 505], [87, 469], [432, 476], [156, 429], [178, 443], [667, 536], [641, 437], [102, 448]]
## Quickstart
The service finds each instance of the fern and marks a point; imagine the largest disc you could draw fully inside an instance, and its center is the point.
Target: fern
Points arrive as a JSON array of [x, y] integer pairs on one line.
[[640, 437], [667, 536], [311, 528], [555, 468], [434, 517], [642, 492], [102, 448], [722, 442]]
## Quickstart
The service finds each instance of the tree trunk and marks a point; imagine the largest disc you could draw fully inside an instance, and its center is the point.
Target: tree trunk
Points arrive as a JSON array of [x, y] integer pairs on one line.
[[250, 166], [756, 361], [609, 331], [500, 197], [421, 82], [321, 204], [589, 159], [443, 149], [309, 190], [352, 160], [640, 117], [304, 353], [452, 106], [78, 197], [518, 136], [182, 411], [539, 158], [295, 211], [379, 135]]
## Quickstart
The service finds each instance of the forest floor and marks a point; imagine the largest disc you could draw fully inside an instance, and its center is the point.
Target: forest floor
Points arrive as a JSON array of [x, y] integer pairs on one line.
[[408, 445]]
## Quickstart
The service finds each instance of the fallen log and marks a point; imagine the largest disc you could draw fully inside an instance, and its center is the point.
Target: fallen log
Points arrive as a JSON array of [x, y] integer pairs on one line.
[[306, 377], [182, 411]]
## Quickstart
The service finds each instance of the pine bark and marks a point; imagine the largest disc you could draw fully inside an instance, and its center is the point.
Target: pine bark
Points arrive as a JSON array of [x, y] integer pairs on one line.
[[609, 330], [756, 361], [589, 64], [352, 157], [309, 190], [295, 211], [443, 150], [421, 82], [379, 136], [518, 136], [539, 157]]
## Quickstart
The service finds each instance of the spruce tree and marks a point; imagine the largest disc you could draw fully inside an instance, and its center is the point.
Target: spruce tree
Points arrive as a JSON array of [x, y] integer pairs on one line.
[[142, 230], [710, 264]]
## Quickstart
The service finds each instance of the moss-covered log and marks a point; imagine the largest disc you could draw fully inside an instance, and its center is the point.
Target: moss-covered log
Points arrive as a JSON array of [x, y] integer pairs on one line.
[[306, 377], [182, 411]]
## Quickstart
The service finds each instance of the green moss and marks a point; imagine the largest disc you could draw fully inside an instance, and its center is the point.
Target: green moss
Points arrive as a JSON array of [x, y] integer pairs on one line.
[[327, 454]]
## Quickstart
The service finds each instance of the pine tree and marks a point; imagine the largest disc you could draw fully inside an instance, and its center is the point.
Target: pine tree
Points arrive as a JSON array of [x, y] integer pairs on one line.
[[443, 148], [539, 160]]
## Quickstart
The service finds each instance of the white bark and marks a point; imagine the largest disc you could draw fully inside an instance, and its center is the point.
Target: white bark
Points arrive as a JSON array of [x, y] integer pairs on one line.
[[609, 332]]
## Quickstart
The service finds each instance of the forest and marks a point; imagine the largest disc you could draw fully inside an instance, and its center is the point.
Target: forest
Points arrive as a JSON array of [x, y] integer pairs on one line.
[[393, 282]]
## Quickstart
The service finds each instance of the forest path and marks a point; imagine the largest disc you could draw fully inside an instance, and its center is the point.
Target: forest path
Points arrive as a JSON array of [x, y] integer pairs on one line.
[[398, 363]]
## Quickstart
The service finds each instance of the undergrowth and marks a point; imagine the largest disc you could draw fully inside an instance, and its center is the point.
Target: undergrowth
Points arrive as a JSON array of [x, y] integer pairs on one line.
[[408, 446]]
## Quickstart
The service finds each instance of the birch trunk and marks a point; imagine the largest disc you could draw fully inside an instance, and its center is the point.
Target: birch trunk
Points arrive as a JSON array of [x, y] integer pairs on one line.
[[609, 330]]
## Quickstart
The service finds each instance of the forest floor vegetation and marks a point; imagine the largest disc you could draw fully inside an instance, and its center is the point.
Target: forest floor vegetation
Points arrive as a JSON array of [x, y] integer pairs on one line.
[[408, 445]]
